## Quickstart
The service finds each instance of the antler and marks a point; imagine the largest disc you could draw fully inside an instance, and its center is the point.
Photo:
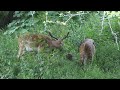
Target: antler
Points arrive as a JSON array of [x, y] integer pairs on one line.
[[65, 36], [52, 35]]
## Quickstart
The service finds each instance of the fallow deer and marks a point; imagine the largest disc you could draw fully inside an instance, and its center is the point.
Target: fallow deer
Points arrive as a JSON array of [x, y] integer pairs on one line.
[[87, 51], [34, 42]]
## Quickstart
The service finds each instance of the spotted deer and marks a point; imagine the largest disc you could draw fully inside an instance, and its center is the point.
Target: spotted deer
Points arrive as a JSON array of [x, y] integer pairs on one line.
[[35, 42], [87, 51]]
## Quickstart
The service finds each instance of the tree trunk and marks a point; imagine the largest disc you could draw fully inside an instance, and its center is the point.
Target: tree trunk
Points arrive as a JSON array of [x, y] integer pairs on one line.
[[6, 19]]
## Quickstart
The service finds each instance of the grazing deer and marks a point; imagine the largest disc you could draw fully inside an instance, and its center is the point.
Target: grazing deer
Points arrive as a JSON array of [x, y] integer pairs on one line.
[[87, 51], [34, 42]]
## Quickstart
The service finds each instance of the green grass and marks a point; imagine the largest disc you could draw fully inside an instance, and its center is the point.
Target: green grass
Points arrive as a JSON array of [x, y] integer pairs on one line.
[[54, 64]]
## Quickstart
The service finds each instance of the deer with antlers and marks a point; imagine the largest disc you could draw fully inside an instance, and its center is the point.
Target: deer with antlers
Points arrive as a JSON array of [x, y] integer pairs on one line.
[[34, 42], [87, 51]]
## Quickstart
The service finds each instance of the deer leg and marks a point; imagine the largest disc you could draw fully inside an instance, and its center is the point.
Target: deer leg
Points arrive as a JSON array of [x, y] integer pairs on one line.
[[21, 50], [84, 62], [92, 57], [38, 50], [84, 59]]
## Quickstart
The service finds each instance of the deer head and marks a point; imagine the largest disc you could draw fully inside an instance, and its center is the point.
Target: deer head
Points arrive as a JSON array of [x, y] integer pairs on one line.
[[34, 42], [56, 42], [87, 50]]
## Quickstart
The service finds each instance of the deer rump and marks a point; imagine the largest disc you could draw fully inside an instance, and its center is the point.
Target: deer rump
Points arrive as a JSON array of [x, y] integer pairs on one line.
[[87, 50]]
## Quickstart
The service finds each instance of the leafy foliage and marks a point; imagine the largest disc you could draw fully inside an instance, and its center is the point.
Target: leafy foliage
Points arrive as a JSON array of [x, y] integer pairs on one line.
[[23, 23], [53, 64]]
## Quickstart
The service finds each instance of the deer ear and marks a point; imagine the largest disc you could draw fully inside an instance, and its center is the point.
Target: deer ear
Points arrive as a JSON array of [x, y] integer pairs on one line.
[[94, 43]]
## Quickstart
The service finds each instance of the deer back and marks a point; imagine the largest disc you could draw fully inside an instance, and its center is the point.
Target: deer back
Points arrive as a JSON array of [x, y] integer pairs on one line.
[[34, 40]]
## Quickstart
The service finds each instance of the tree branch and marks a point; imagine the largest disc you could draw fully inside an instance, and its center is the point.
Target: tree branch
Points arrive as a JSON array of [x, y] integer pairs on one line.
[[102, 22], [45, 22], [114, 34]]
